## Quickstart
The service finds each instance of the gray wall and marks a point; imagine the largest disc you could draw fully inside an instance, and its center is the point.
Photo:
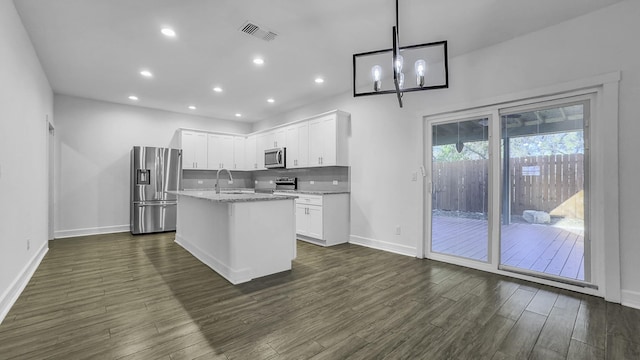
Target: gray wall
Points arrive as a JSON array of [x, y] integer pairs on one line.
[[26, 101], [94, 139]]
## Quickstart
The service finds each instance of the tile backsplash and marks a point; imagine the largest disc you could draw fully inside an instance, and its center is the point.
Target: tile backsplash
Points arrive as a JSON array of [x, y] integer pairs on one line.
[[206, 179], [321, 178]]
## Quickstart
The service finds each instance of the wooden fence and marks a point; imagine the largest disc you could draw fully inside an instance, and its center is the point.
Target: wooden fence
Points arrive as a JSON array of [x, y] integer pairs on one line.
[[552, 183]]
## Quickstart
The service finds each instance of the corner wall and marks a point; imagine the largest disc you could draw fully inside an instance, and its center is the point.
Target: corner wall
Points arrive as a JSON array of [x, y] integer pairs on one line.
[[386, 142], [94, 140], [26, 100]]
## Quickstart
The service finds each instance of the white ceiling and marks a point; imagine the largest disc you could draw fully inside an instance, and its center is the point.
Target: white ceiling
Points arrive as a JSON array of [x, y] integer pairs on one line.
[[96, 48]]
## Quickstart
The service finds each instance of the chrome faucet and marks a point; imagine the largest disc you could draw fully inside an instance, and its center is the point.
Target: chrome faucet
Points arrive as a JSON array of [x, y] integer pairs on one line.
[[218, 179]]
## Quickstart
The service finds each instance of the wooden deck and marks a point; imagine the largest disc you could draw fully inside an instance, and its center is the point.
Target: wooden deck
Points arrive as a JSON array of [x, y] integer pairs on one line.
[[549, 249]]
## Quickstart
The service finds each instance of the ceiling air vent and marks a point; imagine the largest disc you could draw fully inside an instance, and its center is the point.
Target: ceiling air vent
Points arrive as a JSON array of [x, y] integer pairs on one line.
[[258, 31]]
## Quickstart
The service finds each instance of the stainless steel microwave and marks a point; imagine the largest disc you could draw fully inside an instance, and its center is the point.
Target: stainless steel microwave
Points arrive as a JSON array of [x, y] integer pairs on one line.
[[275, 158]]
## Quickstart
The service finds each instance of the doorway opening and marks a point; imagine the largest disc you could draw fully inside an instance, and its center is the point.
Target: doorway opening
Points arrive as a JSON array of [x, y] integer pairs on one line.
[[51, 177]]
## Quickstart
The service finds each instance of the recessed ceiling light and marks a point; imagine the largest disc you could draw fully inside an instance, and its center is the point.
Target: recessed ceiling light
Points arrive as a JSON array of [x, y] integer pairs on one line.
[[133, 97], [270, 100], [146, 73], [192, 107], [168, 32], [238, 115], [319, 80], [258, 61], [217, 89]]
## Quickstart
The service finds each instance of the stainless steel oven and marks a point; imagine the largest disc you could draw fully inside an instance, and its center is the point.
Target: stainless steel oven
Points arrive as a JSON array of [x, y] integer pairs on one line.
[[275, 158]]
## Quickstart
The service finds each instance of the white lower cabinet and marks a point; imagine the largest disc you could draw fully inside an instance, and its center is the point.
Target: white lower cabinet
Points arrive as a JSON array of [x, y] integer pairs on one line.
[[323, 219]]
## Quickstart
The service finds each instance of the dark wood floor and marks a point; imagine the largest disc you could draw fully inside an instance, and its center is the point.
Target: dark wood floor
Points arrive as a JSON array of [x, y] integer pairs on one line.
[[143, 297], [548, 249]]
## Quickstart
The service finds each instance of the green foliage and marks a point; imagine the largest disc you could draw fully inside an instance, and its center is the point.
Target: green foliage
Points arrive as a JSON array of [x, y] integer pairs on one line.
[[548, 144], [471, 151], [536, 145]]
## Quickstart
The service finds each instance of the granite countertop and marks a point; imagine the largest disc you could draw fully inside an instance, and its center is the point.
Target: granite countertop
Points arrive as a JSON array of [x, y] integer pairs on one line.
[[229, 197], [314, 192], [222, 189]]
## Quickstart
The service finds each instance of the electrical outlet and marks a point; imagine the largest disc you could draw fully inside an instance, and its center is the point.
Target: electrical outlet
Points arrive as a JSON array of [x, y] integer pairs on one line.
[[414, 176], [230, 182], [398, 230], [270, 181], [200, 182], [312, 182], [256, 182], [335, 182]]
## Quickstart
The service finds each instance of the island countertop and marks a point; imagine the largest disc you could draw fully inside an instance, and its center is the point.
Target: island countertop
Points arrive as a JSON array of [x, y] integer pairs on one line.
[[230, 197]]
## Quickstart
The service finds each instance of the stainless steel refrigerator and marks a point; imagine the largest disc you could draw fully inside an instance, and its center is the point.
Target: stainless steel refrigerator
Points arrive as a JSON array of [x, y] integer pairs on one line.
[[153, 172]]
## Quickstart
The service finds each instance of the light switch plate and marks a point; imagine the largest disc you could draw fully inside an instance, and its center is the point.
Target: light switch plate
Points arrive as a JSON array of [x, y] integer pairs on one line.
[[335, 182], [200, 182], [312, 182]]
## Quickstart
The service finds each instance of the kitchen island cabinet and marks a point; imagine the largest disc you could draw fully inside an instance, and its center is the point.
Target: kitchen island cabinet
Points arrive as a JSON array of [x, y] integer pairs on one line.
[[240, 236]]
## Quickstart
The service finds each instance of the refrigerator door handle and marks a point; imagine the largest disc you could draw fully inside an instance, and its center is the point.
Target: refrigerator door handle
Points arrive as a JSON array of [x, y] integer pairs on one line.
[[158, 176]]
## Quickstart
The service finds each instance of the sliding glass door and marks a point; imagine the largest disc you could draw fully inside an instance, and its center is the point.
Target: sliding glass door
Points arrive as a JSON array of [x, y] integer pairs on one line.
[[543, 191], [460, 168], [508, 190]]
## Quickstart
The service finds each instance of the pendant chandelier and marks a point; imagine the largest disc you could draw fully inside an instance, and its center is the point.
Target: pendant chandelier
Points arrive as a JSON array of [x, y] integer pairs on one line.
[[383, 71]]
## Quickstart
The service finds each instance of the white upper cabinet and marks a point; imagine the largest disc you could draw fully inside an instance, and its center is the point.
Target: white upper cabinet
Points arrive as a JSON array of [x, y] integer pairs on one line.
[[194, 150], [239, 161], [318, 141], [250, 150], [328, 140], [279, 138], [297, 140], [220, 151]]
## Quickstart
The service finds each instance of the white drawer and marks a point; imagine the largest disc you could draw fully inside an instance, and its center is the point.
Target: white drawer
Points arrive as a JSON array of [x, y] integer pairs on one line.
[[304, 199]]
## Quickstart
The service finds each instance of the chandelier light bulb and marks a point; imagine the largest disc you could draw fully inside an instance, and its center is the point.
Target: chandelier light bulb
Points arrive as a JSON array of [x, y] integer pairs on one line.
[[421, 69], [398, 63], [400, 80], [376, 73]]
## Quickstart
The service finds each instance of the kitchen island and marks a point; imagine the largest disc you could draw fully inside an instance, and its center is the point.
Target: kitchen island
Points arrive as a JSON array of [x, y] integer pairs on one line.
[[240, 236]]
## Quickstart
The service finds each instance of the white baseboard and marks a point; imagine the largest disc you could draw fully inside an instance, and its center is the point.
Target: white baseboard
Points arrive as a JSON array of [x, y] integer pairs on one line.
[[17, 287], [630, 298], [383, 245], [232, 275], [91, 231]]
